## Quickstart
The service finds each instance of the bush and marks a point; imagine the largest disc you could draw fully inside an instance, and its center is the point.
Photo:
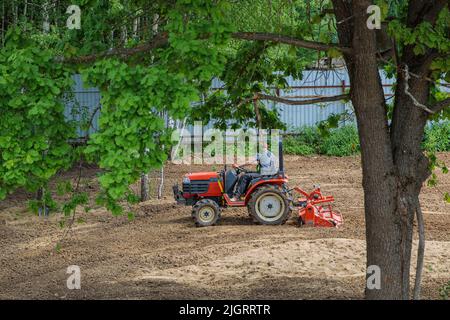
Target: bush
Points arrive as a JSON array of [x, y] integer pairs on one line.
[[344, 141], [341, 142], [338, 142], [437, 137], [304, 141], [291, 145]]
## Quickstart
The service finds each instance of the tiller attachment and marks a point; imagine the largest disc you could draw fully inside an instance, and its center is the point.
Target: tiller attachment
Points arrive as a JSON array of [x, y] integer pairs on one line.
[[315, 209]]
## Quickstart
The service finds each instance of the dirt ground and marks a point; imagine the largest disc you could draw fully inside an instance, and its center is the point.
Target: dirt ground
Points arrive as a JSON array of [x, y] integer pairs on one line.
[[161, 255]]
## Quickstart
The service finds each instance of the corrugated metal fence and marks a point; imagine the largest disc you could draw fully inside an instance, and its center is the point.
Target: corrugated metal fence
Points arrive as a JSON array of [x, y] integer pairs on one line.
[[313, 84], [317, 84], [84, 106]]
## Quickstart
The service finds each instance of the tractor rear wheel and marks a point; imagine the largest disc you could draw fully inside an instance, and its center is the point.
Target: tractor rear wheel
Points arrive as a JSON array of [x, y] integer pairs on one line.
[[206, 212], [269, 205]]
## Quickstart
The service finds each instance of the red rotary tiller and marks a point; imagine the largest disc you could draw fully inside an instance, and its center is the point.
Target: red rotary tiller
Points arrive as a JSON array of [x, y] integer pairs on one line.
[[316, 210]]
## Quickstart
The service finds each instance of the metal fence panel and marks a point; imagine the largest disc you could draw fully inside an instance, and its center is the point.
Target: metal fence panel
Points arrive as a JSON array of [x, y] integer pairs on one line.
[[86, 103], [313, 84]]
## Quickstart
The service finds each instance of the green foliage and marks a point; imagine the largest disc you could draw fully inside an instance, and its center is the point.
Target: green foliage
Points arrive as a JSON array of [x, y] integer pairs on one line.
[[343, 141], [292, 146], [136, 92], [425, 38], [304, 141], [132, 137], [255, 67], [339, 142], [249, 71], [34, 133], [132, 132], [137, 89], [433, 165], [444, 291], [437, 137], [46, 202], [424, 35], [447, 197]]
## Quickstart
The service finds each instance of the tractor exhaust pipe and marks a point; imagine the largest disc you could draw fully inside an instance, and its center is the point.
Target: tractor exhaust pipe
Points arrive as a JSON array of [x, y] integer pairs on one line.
[[280, 156]]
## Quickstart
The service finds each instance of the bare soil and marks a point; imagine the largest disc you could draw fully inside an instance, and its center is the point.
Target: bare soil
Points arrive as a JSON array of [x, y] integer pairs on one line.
[[162, 255]]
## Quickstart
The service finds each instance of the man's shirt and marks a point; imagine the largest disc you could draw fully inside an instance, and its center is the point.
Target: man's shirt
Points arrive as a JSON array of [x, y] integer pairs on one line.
[[267, 163]]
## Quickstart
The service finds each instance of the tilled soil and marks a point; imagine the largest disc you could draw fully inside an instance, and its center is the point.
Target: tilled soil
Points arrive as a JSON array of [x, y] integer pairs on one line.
[[162, 255]]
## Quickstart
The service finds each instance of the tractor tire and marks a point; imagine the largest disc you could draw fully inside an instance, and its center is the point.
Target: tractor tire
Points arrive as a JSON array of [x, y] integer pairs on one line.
[[206, 213], [269, 205]]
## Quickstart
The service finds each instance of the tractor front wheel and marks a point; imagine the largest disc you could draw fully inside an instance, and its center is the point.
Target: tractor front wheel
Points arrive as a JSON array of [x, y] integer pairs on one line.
[[269, 205], [206, 212]]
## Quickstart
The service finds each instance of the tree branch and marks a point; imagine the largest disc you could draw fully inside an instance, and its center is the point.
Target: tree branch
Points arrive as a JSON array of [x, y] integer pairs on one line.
[[258, 115], [162, 39], [438, 106], [278, 38], [262, 96], [410, 95], [419, 11], [157, 42]]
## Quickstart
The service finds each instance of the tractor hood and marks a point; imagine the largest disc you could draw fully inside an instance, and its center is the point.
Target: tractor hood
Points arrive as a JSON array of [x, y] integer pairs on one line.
[[201, 176]]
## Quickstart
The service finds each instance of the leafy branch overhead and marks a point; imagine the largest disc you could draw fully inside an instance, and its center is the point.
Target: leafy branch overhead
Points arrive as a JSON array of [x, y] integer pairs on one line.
[[153, 57], [193, 42]]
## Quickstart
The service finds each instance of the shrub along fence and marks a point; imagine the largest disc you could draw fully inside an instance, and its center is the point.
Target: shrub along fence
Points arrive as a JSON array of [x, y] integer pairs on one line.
[[344, 141]]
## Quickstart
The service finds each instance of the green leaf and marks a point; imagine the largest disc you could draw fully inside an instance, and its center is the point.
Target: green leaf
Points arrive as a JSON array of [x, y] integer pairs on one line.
[[432, 182], [2, 193], [316, 19], [334, 53], [447, 197]]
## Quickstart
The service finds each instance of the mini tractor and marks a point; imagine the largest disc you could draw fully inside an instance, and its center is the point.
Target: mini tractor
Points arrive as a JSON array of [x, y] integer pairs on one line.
[[268, 199]]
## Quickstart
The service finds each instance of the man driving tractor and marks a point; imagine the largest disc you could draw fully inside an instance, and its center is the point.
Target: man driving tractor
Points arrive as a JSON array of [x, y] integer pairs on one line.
[[265, 193], [266, 165]]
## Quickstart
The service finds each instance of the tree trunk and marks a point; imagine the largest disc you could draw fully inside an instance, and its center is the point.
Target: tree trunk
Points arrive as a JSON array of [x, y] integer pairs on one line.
[[411, 164], [144, 187], [393, 163], [383, 232], [161, 183], [45, 17]]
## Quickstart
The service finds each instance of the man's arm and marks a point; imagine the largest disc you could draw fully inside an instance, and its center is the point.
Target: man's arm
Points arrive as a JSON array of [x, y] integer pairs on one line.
[[253, 162], [245, 164]]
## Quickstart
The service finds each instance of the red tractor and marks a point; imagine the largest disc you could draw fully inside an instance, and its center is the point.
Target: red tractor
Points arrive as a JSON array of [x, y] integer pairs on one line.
[[268, 199]]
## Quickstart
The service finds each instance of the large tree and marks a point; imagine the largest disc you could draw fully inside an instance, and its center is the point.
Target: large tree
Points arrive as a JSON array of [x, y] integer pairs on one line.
[[149, 57], [394, 165], [393, 162]]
